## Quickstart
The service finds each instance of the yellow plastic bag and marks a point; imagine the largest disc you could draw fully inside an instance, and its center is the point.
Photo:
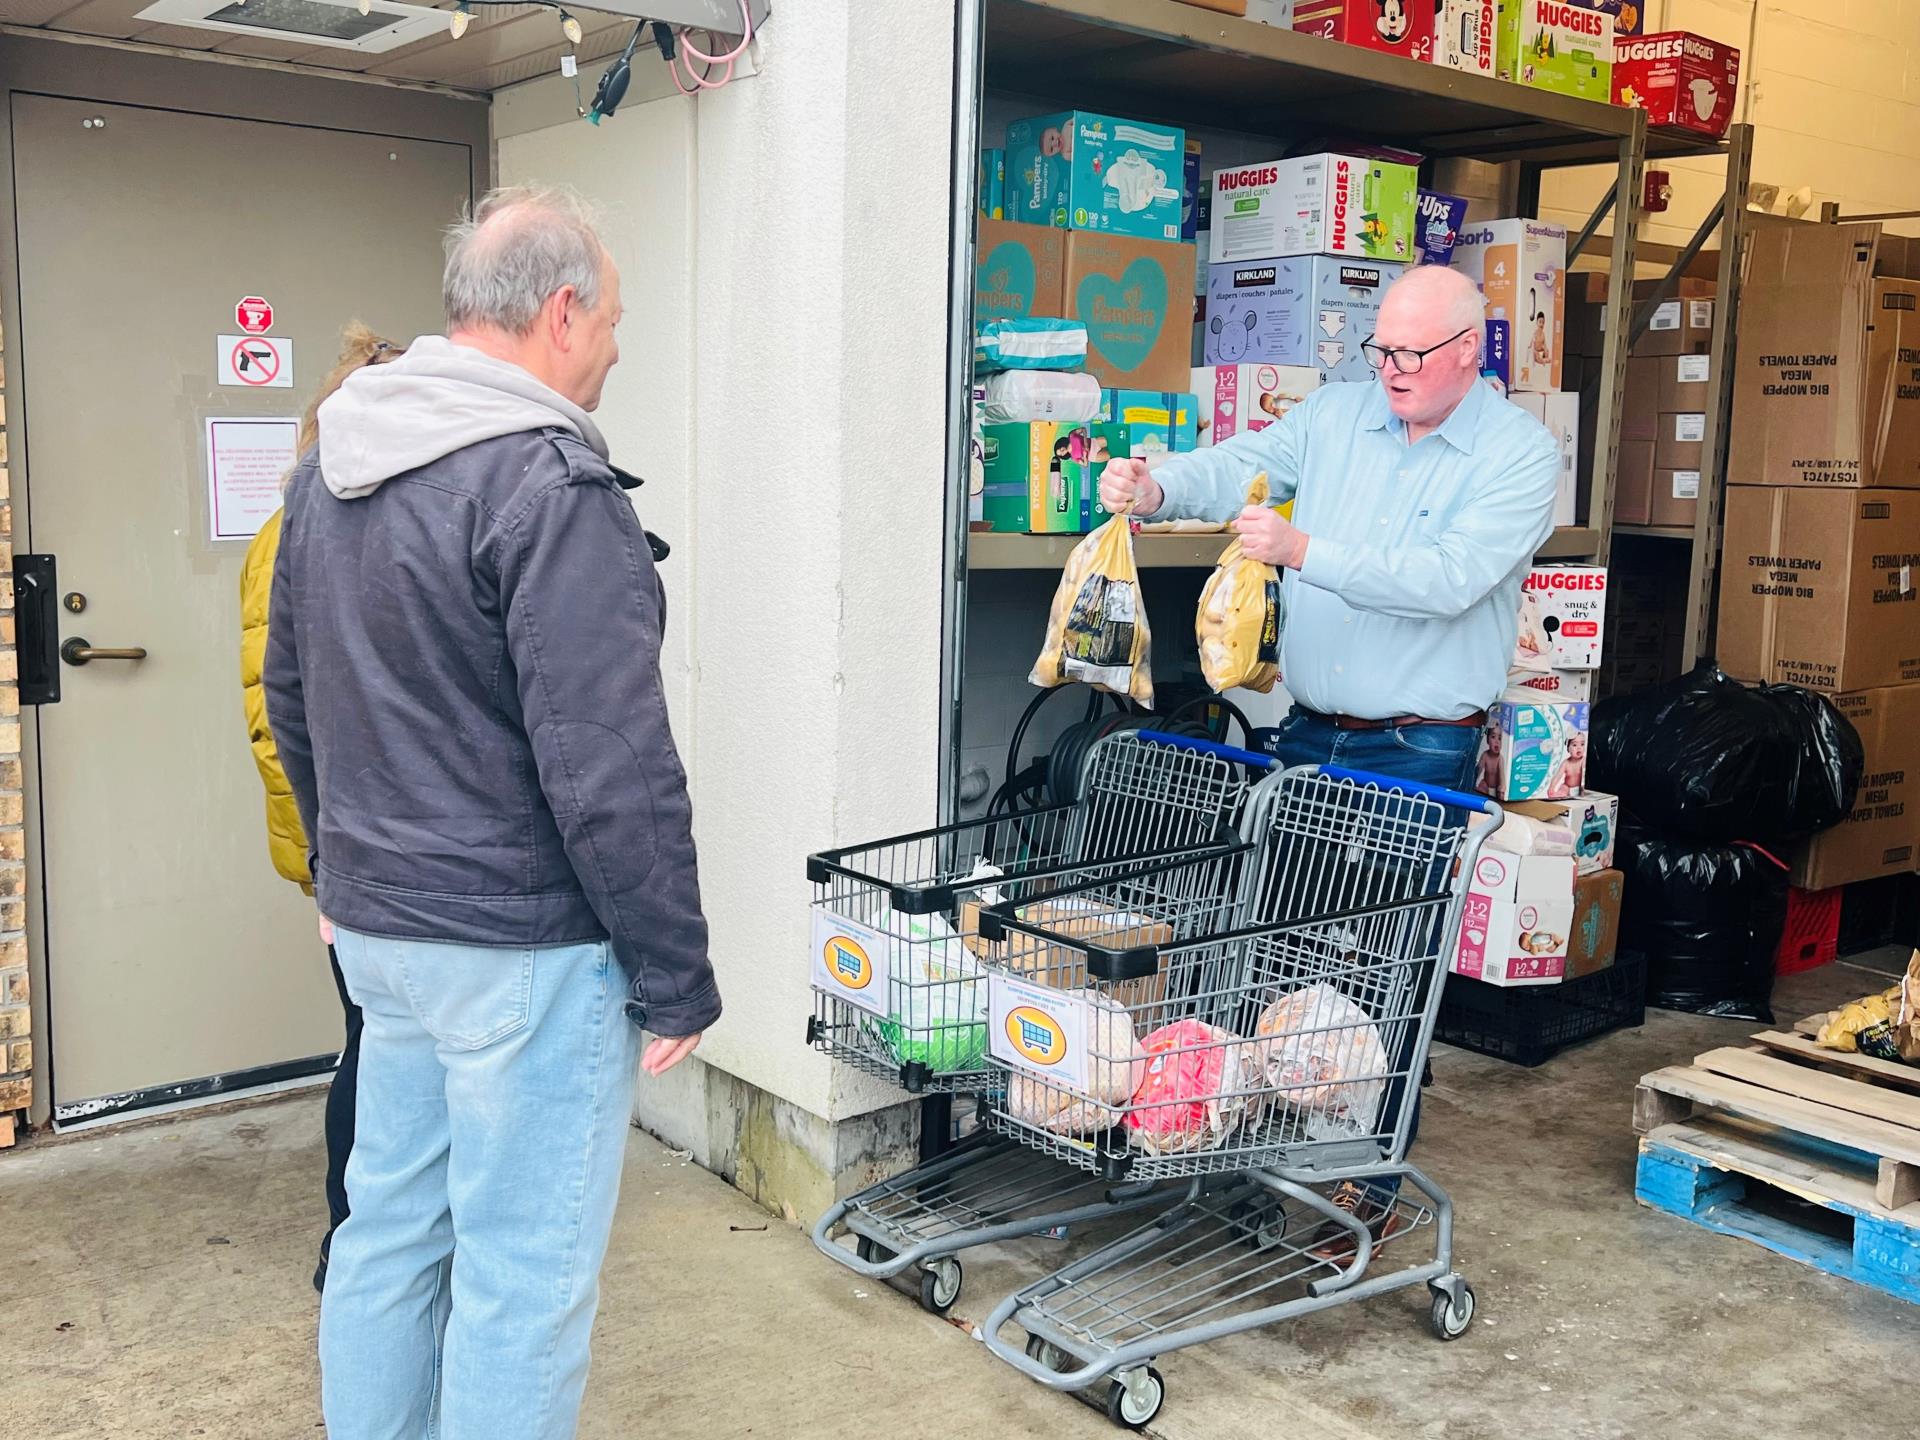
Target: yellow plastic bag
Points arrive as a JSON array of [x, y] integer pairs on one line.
[[1241, 612], [1097, 630]]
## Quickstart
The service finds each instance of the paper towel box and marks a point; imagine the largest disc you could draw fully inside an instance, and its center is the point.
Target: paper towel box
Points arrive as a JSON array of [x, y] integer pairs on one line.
[[1516, 919]]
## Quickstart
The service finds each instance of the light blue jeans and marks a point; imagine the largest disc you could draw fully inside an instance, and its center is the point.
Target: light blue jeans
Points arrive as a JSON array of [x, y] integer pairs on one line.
[[496, 1087]]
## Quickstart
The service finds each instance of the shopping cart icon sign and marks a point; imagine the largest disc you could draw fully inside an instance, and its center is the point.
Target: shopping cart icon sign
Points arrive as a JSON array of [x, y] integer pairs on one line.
[[1036, 1036], [849, 963]]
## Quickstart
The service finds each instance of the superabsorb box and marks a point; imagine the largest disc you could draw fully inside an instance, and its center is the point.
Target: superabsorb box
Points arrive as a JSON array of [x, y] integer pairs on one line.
[[1521, 267], [1565, 46], [1082, 171]]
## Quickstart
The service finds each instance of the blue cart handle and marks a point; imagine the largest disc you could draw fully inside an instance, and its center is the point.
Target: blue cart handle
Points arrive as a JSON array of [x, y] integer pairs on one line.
[[1211, 747], [1458, 799]]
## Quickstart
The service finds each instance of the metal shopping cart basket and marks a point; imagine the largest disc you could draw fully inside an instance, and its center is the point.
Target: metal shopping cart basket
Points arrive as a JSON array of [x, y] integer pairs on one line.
[[1268, 1058], [917, 900]]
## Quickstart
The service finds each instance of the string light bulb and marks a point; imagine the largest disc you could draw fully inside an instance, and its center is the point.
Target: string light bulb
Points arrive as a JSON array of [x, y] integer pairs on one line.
[[570, 28], [366, 7], [462, 17]]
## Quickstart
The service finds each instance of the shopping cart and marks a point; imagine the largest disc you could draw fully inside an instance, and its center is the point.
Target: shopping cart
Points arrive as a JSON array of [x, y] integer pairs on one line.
[[1147, 801], [1269, 1051]]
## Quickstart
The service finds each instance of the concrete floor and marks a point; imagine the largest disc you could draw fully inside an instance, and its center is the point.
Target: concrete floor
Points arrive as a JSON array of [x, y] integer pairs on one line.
[[156, 1285]]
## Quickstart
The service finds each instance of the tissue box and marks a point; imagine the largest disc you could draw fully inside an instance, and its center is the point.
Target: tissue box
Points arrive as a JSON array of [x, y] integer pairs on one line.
[[1563, 615], [1153, 420], [1533, 748], [1234, 398], [1307, 311], [1344, 205], [1565, 46], [1081, 171], [1520, 266], [1398, 29], [1679, 79], [1517, 919], [1593, 818], [1555, 684]]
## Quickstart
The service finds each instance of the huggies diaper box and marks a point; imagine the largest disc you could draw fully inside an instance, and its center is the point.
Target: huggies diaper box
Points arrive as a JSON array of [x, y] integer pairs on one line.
[[1313, 205], [1563, 615], [1516, 919], [1234, 398], [1094, 172], [1679, 79], [1311, 311], [1565, 46], [1463, 37], [1534, 748]]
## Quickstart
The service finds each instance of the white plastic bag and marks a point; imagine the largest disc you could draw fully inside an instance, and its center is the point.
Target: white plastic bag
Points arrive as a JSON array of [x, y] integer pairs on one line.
[[1324, 1057]]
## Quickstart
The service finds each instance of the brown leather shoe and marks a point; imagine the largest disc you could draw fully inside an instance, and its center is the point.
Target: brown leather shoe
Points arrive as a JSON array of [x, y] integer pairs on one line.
[[1381, 1216]]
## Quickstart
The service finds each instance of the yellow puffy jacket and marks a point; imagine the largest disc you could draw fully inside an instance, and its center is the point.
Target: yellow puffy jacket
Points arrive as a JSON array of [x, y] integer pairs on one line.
[[286, 841]]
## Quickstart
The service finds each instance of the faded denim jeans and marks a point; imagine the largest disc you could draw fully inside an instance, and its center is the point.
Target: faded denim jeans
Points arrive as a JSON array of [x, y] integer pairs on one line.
[[496, 1087]]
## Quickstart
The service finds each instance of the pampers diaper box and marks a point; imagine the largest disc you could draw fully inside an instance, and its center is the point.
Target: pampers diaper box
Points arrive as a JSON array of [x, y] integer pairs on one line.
[[1136, 299], [1017, 271], [1310, 310], [1314, 205], [1565, 46], [1234, 398], [1534, 748], [1516, 919], [1521, 267], [1094, 172]]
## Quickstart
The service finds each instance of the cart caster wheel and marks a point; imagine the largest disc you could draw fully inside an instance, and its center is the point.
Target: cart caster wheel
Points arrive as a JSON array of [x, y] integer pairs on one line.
[[940, 1286], [1261, 1223], [1449, 1323], [872, 1252], [1131, 1414], [1045, 1352]]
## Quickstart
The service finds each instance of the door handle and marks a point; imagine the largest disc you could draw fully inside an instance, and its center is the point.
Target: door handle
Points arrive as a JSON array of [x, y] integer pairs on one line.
[[78, 652]]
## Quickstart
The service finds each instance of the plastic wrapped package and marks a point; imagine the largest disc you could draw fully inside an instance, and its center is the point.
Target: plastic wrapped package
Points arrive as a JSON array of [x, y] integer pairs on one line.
[[1020, 396], [939, 1013], [1708, 918], [1115, 1067], [1097, 628], [1240, 615], [1709, 758], [1033, 343], [1323, 1054], [1198, 1084], [1885, 1026]]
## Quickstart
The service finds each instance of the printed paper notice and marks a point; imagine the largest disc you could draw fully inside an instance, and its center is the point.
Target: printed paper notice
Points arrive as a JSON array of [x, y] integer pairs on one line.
[[851, 962], [1038, 1029], [247, 458]]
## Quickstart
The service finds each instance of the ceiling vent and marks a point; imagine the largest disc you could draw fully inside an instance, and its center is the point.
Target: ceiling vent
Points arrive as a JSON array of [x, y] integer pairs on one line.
[[387, 25]]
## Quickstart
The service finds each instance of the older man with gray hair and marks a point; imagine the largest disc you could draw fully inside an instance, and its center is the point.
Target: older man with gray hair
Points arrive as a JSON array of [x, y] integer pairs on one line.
[[463, 678]]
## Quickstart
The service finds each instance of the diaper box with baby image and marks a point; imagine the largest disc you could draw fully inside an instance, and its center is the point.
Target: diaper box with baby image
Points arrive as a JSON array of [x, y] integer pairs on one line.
[[1516, 919], [1565, 46], [1081, 171], [1347, 205], [1681, 80], [1563, 617], [1234, 398], [1533, 748], [1520, 266], [1399, 27], [1310, 310]]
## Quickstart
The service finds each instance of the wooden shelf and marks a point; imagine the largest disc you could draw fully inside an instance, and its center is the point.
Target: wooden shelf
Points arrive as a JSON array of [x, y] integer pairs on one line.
[[1137, 57], [987, 550]]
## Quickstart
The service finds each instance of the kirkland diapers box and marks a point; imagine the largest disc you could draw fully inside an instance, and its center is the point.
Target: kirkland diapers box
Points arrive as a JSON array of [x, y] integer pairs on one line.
[[1534, 748], [1389, 25], [1136, 299], [1563, 616], [1593, 818], [1094, 172], [1681, 80], [1517, 919], [1234, 398], [1309, 310], [1017, 271], [1565, 46], [1342, 205], [1463, 37], [1520, 266]]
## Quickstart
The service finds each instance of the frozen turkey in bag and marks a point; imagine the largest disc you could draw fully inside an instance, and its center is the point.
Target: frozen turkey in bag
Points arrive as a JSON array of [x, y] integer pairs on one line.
[[1198, 1083], [1115, 1065], [1323, 1055]]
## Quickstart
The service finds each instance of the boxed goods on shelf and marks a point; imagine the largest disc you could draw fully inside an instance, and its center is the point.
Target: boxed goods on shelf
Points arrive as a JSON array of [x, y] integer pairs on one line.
[[1563, 614], [1437, 224], [1675, 498], [1881, 835], [1327, 204], [1817, 587], [1826, 386], [1463, 35], [1680, 79], [1679, 441], [1559, 411], [1633, 482], [1520, 266], [1153, 420], [1554, 684], [993, 185], [1247, 397], [1081, 171], [1017, 271], [1308, 310], [1593, 819], [1397, 27], [1042, 477], [1565, 46], [1134, 296]]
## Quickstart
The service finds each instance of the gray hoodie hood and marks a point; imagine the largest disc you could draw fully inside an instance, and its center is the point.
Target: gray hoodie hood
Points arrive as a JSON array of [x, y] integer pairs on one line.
[[437, 398]]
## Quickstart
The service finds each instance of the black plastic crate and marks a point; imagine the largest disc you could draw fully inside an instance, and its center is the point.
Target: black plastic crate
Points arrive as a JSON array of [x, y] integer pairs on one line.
[[1529, 1024]]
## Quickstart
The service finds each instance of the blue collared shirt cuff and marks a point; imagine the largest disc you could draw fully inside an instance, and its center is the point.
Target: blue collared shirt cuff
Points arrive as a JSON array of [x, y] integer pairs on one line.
[[1325, 567]]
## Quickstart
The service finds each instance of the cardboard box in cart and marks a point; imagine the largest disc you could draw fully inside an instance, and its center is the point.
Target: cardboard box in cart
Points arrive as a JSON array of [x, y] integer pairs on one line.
[[1517, 919], [1881, 836], [1343, 205], [1520, 266], [1826, 388], [1820, 588]]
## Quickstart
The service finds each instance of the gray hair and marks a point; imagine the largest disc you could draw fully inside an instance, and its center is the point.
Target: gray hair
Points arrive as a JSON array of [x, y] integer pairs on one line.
[[1456, 300], [518, 246]]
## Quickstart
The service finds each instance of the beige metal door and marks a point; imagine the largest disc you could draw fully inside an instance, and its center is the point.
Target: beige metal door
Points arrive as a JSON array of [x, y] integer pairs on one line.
[[174, 952]]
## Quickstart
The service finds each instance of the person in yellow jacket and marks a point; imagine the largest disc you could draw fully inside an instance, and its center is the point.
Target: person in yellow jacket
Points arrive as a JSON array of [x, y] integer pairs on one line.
[[286, 841]]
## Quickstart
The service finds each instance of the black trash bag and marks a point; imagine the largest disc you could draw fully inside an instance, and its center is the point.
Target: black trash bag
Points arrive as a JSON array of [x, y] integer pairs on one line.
[[1708, 918], [1707, 757]]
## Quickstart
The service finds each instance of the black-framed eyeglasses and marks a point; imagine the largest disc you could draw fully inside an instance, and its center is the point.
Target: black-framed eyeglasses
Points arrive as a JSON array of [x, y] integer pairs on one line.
[[1407, 362]]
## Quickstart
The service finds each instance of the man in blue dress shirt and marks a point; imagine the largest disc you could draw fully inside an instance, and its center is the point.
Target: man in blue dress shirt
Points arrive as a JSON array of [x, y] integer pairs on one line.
[[1419, 502]]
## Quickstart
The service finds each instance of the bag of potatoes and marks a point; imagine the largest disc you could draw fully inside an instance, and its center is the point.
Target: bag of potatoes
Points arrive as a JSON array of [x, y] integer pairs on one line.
[[1241, 612], [1097, 629]]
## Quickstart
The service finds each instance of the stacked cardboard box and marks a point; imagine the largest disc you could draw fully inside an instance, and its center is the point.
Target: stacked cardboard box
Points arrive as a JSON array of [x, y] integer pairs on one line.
[[1822, 530]]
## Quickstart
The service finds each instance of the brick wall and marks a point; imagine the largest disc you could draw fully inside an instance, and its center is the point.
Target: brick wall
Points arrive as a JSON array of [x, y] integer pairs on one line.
[[16, 1024]]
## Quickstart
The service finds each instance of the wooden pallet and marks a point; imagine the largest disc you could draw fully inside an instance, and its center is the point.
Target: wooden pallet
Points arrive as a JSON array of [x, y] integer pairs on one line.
[[1753, 1142], [6, 1132]]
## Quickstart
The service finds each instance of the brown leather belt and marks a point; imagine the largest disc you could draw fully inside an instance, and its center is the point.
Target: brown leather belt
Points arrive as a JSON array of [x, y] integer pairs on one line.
[[1355, 722]]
